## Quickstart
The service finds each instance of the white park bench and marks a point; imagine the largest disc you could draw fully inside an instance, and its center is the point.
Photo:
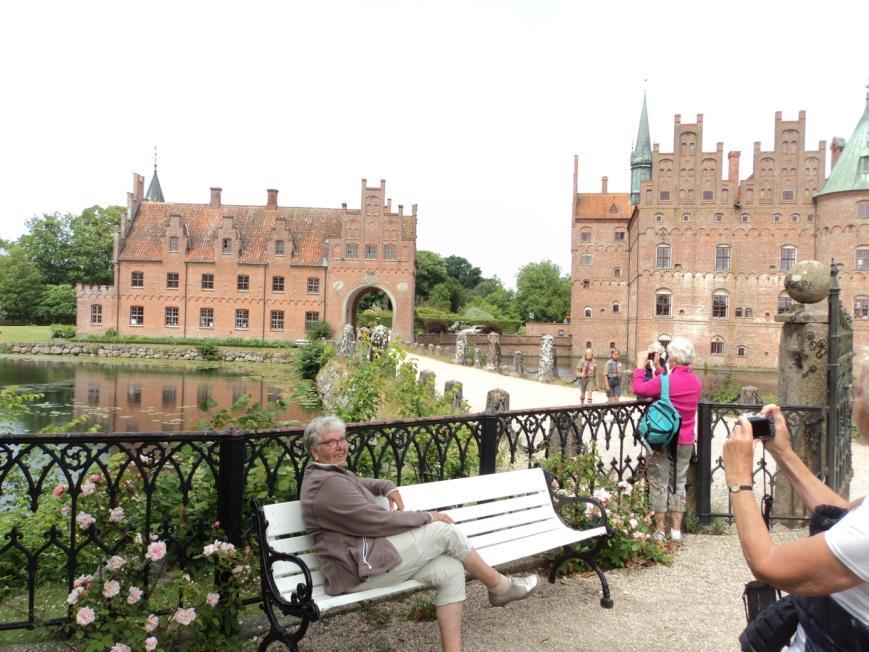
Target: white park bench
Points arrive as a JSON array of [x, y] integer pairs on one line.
[[506, 516]]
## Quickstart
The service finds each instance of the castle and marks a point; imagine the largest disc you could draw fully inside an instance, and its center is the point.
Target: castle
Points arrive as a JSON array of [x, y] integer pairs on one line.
[[256, 272], [693, 253]]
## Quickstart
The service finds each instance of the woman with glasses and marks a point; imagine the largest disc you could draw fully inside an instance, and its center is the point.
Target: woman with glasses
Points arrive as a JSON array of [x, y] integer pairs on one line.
[[363, 546]]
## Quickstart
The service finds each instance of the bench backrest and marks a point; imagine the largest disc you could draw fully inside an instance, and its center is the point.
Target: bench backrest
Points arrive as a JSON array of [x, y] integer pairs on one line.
[[489, 509]]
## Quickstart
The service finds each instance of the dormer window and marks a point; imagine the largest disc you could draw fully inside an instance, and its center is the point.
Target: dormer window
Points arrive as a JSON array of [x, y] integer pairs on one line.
[[279, 247], [864, 165], [173, 244], [227, 246]]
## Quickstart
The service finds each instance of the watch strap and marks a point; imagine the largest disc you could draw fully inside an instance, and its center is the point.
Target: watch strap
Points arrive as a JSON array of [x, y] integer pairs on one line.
[[736, 488]]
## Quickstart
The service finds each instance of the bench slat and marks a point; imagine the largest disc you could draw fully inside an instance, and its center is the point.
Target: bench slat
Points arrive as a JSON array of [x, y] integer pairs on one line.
[[471, 512], [505, 521], [284, 518], [477, 488], [510, 551]]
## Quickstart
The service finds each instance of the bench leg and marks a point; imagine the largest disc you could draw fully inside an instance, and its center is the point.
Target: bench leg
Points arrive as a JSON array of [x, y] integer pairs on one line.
[[280, 634], [588, 557]]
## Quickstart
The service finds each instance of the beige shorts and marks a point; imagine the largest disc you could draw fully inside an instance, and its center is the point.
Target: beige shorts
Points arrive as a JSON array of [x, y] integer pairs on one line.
[[432, 554], [659, 471]]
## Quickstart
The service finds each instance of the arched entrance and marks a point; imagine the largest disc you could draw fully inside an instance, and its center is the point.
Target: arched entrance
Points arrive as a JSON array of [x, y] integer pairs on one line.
[[368, 306]]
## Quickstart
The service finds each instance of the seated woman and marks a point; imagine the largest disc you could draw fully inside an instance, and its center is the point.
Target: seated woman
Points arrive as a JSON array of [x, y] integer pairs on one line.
[[827, 572], [363, 546]]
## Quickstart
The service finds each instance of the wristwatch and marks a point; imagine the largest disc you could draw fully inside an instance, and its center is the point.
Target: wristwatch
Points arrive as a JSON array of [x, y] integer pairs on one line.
[[736, 488]]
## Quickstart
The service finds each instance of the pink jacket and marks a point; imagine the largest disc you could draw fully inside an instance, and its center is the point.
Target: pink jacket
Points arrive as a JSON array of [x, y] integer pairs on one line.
[[685, 391]]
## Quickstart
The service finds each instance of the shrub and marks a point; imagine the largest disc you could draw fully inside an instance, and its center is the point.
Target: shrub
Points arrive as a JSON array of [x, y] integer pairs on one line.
[[436, 326], [208, 351], [111, 332], [320, 331], [311, 359], [491, 328], [62, 331]]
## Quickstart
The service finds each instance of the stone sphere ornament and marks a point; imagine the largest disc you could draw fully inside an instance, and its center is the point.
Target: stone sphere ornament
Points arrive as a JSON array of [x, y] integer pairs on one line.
[[808, 282]]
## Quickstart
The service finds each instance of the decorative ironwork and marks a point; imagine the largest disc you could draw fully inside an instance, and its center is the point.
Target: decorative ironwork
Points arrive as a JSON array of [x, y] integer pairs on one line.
[[837, 464]]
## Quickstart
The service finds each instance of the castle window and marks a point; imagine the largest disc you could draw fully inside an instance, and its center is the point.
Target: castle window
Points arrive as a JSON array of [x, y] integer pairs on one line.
[[311, 320], [207, 282], [389, 252], [169, 396], [585, 260], [861, 307], [352, 250], [620, 236], [370, 251], [686, 217], [586, 284], [749, 313], [313, 285], [787, 195], [171, 316], [202, 395], [745, 218], [795, 218], [137, 315], [96, 314], [172, 280], [587, 312], [242, 318], [785, 303], [227, 246], [864, 165], [717, 346], [134, 394], [663, 303], [863, 209], [720, 302], [277, 283], [277, 320], [615, 308], [664, 195], [719, 217], [722, 257], [740, 351], [659, 217], [662, 257], [279, 247], [810, 217], [776, 218], [617, 272], [708, 195], [242, 283], [788, 258], [206, 318], [173, 244], [738, 313], [585, 235], [862, 260], [137, 279]]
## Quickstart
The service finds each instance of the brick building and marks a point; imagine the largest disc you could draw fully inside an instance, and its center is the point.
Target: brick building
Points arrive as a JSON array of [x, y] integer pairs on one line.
[[693, 250], [260, 272]]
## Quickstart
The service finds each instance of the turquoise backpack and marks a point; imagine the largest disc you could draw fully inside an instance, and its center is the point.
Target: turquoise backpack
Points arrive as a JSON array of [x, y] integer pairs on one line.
[[661, 422]]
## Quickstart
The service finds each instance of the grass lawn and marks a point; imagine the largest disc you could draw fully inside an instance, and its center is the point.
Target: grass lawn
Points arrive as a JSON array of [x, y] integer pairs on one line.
[[10, 334]]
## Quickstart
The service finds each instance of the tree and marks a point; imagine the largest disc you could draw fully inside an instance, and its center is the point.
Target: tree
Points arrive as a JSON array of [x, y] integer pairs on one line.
[[21, 285], [48, 244], [58, 304], [462, 271], [448, 295], [431, 269], [541, 290]]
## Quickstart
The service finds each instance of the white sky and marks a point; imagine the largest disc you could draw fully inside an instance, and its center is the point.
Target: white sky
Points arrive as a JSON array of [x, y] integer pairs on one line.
[[471, 109]]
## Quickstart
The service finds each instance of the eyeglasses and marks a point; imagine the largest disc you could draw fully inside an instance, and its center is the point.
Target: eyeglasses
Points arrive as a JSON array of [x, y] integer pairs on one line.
[[332, 443]]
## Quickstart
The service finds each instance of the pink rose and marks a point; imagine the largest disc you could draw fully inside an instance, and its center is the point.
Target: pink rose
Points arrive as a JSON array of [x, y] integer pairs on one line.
[[633, 523], [602, 495], [184, 616], [150, 644], [135, 595], [209, 550], [212, 599], [151, 623], [64, 511], [85, 616], [59, 490], [111, 588], [138, 539], [116, 515], [96, 477], [74, 595], [87, 488], [85, 520], [115, 563], [120, 647], [83, 580], [156, 551]]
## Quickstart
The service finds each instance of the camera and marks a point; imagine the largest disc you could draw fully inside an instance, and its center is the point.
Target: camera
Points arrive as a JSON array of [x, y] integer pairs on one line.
[[762, 426], [652, 355]]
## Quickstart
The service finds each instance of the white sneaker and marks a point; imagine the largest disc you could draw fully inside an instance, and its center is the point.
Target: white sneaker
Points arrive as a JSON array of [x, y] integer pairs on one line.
[[519, 589], [659, 537], [675, 535]]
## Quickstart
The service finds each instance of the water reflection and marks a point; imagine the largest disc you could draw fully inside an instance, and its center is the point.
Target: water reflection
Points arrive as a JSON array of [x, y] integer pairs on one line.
[[129, 398]]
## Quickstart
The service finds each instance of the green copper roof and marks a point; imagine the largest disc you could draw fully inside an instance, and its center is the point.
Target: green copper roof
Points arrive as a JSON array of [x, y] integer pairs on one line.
[[851, 171], [643, 148], [155, 192]]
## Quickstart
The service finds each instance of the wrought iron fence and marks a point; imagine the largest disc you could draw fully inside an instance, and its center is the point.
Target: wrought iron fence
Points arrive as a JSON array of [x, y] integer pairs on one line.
[[175, 485]]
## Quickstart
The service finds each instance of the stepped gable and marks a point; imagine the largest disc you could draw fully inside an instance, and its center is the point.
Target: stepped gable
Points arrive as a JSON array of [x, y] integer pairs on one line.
[[309, 227]]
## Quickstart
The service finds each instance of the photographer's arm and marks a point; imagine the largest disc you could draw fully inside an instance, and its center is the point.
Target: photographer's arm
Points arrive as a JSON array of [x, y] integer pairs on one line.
[[811, 490]]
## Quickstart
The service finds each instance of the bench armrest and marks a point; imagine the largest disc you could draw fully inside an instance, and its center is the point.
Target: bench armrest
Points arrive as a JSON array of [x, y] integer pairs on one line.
[[559, 501]]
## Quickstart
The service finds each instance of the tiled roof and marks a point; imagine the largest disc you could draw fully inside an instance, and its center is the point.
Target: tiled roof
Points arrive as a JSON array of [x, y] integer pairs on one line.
[[309, 228], [603, 206], [849, 173]]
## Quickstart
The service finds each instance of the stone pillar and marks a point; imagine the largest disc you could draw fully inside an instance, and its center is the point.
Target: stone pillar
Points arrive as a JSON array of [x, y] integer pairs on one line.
[[347, 343], [430, 348], [478, 358], [380, 337], [461, 349], [547, 369], [493, 362], [518, 364], [498, 400], [749, 394], [437, 350], [427, 378], [454, 388]]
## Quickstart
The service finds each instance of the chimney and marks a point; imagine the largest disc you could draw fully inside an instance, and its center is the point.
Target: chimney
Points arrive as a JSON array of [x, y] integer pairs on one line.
[[138, 186], [389, 205], [603, 184], [835, 151], [273, 198], [733, 167], [413, 209], [344, 205], [215, 197], [401, 210]]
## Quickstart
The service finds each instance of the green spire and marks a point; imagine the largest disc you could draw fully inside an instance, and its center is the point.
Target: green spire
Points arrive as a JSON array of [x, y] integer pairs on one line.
[[641, 157], [851, 171], [155, 192]]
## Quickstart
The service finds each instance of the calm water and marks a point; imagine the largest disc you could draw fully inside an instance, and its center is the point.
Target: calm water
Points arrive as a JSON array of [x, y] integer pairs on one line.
[[131, 398]]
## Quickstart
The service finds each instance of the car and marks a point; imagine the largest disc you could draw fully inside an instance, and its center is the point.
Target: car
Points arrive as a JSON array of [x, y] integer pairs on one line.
[[472, 330]]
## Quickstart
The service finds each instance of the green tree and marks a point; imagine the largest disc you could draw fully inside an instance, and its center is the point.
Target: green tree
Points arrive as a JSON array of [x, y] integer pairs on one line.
[[431, 269], [58, 304], [461, 270], [541, 290], [448, 295], [21, 285]]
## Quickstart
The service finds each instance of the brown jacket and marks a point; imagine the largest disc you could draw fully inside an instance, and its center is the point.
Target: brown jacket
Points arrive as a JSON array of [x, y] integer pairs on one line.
[[349, 527]]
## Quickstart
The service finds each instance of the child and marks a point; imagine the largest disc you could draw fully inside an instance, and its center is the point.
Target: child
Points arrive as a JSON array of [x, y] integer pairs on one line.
[[586, 372]]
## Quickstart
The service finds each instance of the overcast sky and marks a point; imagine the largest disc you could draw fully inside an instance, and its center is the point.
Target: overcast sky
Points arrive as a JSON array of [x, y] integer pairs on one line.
[[472, 110]]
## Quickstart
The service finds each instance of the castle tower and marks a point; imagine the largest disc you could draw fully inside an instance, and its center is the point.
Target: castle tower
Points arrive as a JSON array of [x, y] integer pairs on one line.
[[641, 157], [155, 192]]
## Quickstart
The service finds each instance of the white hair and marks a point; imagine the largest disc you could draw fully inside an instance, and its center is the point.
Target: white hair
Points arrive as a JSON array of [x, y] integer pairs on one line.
[[315, 430], [681, 351]]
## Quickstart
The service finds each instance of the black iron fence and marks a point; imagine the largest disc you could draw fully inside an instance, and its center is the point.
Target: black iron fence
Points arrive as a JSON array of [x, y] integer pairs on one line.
[[58, 493]]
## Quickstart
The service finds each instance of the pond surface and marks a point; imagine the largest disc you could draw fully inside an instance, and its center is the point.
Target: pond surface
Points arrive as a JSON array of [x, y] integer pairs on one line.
[[134, 398]]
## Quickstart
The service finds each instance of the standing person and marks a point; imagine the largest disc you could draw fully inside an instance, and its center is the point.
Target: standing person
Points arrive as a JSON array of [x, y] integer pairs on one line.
[[614, 370], [827, 574], [586, 372], [685, 387], [363, 546]]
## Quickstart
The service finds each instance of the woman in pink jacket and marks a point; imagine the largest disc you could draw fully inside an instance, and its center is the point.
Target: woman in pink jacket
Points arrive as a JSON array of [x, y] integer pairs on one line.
[[685, 391]]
